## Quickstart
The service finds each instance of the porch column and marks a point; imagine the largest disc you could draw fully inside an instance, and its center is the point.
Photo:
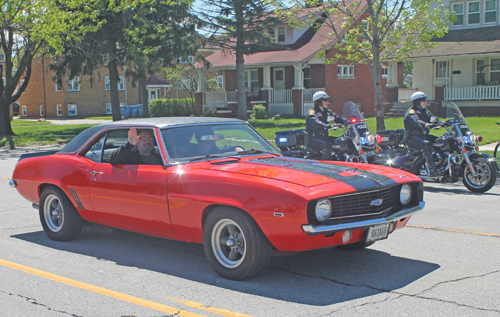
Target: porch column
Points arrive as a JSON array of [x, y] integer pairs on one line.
[[392, 87], [266, 78], [201, 80], [298, 77], [298, 89]]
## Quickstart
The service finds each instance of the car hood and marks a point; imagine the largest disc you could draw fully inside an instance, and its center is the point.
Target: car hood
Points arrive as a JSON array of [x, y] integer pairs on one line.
[[312, 173]]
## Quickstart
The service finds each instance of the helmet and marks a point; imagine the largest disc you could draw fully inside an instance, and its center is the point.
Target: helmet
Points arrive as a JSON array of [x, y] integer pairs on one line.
[[418, 95], [319, 95]]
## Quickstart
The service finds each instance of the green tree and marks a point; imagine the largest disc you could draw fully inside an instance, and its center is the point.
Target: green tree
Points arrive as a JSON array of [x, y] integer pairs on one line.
[[26, 27], [240, 26], [140, 35], [393, 30]]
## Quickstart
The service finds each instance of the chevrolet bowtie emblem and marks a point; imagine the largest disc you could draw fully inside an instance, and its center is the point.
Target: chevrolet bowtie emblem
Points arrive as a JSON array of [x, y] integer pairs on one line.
[[376, 202]]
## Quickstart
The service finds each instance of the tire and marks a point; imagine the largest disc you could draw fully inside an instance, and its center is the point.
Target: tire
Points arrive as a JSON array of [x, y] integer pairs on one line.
[[355, 246], [496, 154], [59, 218], [486, 178], [251, 251]]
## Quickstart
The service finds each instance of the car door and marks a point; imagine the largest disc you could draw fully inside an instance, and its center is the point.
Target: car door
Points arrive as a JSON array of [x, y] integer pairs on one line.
[[129, 196]]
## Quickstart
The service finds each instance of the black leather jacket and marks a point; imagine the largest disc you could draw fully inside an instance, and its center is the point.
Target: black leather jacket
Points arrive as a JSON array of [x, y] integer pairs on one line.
[[416, 119], [317, 121]]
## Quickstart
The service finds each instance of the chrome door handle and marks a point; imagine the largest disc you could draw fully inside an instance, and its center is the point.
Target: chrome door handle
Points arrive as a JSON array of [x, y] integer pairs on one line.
[[94, 173]]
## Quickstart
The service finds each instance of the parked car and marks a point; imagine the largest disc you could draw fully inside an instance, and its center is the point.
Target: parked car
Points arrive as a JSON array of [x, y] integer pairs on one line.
[[239, 196]]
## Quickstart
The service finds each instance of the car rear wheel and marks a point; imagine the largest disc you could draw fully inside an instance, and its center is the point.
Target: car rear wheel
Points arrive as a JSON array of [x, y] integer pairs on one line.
[[234, 245], [59, 218]]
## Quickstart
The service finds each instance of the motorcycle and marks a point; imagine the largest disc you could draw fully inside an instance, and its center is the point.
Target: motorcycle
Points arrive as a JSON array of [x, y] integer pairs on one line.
[[352, 146], [455, 153]]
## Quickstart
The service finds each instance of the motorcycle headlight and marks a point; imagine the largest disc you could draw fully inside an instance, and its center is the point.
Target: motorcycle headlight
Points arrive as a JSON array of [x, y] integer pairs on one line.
[[472, 139], [405, 194], [370, 139], [323, 210]]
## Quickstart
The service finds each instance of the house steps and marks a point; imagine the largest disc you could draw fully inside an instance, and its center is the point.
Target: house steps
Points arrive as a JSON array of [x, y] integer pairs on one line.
[[398, 109]]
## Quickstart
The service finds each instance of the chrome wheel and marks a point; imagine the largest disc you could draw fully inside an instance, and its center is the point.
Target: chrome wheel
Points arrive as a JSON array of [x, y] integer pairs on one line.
[[483, 174], [228, 243], [53, 213]]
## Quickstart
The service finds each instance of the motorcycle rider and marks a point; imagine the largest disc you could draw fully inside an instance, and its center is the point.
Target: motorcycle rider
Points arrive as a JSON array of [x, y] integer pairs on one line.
[[417, 122], [317, 124]]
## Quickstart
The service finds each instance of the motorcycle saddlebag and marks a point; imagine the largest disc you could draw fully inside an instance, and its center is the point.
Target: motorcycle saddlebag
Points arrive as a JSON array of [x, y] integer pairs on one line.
[[290, 138], [390, 137]]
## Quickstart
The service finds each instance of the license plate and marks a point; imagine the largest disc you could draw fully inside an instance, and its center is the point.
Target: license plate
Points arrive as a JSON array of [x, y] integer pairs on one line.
[[378, 232]]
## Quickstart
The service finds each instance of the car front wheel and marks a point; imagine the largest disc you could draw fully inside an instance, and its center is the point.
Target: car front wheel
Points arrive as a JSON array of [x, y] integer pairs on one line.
[[59, 218], [234, 245]]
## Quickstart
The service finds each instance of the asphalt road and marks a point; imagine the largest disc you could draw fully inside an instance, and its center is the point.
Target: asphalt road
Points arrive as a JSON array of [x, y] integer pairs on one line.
[[446, 262]]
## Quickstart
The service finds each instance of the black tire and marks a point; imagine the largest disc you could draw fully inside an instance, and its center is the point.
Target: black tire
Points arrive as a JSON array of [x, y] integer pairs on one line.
[[251, 251], [356, 246], [485, 179], [496, 154], [59, 218]]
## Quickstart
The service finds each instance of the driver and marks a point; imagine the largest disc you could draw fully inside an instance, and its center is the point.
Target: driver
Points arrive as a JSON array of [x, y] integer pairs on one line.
[[417, 121], [317, 124]]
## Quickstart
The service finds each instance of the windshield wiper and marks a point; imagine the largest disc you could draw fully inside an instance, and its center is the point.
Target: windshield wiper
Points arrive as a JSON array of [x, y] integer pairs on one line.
[[253, 151], [209, 156]]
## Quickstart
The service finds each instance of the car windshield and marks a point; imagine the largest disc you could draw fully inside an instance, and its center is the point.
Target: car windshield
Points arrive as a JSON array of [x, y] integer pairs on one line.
[[195, 142]]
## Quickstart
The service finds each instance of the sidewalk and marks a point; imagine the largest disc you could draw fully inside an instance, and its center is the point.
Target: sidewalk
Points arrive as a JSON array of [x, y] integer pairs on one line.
[[69, 121], [6, 153], [487, 147]]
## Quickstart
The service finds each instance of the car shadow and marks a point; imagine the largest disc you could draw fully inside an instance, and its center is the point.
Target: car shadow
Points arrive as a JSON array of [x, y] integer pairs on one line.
[[319, 277]]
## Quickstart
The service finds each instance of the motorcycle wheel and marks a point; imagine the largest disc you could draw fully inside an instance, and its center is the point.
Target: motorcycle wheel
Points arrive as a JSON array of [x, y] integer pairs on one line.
[[496, 154], [485, 179]]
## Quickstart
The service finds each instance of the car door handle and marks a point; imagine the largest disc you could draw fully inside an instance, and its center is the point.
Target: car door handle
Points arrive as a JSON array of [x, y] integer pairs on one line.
[[94, 173]]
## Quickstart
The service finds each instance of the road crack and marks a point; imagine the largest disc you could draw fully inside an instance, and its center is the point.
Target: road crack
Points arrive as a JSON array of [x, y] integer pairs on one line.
[[35, 302]]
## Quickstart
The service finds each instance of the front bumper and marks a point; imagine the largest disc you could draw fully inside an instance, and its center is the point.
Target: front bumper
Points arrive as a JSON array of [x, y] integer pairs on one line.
[[313, 230]]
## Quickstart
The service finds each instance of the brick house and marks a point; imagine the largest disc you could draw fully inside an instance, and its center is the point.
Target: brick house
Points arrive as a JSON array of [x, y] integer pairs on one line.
[[284, 77], [465, 66]]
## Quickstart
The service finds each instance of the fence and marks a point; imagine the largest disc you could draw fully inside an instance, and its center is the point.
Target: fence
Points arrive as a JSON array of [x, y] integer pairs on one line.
[[280, 96], [404, 94], [472, 93]]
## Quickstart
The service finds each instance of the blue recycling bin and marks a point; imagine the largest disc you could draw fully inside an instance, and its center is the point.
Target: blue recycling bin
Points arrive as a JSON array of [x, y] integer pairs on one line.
[[134, 112], [125, 111], [139, 107]]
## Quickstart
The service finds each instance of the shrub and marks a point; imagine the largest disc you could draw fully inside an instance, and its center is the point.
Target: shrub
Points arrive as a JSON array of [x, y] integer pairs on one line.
[[172, 107], [209, 112], [259, 112]]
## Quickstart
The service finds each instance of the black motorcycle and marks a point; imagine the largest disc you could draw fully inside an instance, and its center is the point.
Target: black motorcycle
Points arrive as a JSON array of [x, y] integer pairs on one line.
[[455, 153], [352, 146]]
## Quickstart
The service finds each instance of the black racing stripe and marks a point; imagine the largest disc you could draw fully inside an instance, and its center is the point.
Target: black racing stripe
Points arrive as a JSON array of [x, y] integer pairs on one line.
[[363, 181]]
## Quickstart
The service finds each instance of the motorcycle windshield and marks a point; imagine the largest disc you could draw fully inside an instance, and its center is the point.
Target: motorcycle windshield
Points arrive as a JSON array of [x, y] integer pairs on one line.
[[351, 111], [455, 117]]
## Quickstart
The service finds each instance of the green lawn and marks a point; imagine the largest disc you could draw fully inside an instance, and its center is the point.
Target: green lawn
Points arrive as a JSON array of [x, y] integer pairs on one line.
[[40, 133]]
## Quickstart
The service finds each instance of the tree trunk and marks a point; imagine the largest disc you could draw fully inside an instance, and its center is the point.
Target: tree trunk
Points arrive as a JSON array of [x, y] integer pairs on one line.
[[240, 61], [113, 81], [145, 99], [5, 125], [377, 89]]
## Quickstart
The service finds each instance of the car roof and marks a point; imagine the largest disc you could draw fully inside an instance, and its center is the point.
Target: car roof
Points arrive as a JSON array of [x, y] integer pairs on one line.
[[163, 122]]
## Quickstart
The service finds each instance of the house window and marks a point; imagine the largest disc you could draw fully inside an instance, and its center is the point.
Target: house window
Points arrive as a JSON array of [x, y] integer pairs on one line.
[[186, 83], [480, 76], [490, 11], [121, 83], [220, 81], [365, 25], [442, 69], [24, 110], [473, 13], [108, 108], [41, 110], [495, 70], [189, 60], [384, 71], [22, 82], [307, 77], [2, 57], [152, 95], [459, 13], [251, 79], [281, 34], [73, 84], [59, 110], [72, 110], [345, 71], [58, 87]]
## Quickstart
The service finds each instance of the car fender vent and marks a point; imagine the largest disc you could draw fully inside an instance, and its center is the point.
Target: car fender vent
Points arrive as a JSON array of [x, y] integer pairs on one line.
[[76, 198]]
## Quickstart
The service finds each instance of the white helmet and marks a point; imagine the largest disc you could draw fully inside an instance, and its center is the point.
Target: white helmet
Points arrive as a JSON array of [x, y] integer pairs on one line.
[[320, 95], [418, 95]]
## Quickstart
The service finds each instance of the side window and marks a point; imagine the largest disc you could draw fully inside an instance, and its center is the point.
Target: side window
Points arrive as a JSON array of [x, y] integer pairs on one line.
[[95, 151], [114, 140]]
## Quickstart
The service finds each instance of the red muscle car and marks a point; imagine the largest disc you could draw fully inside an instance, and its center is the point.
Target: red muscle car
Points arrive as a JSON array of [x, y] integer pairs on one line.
[[219, 183]]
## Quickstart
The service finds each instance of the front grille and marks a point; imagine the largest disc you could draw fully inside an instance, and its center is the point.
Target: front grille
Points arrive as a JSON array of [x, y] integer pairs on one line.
[[364, 203]]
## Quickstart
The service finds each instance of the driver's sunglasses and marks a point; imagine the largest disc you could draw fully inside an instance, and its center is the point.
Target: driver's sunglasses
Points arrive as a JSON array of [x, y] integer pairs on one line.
[[145, 138], [423, 99]]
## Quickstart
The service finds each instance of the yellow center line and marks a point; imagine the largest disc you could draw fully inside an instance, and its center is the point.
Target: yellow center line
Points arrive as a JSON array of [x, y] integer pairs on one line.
[[454, 230], [5, 178], [100, 290], [215, 310]]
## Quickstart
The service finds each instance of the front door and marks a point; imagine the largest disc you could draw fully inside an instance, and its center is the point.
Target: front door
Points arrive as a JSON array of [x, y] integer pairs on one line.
[[279, 79]]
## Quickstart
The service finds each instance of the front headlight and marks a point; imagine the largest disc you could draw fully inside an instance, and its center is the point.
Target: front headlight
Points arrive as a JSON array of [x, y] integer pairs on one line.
[[370, 139], [472, 139], [405, 194], [323, 210]]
